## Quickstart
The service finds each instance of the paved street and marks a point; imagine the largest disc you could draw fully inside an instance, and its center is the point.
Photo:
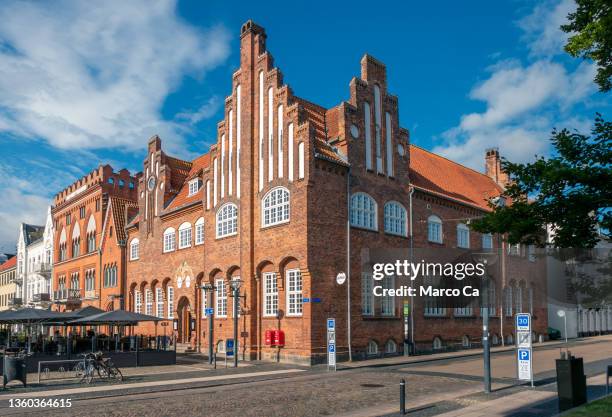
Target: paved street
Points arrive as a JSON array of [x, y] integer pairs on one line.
[[442, 385]]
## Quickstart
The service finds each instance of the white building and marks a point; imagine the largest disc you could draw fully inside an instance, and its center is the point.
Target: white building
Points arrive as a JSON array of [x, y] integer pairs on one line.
[[34, 263]]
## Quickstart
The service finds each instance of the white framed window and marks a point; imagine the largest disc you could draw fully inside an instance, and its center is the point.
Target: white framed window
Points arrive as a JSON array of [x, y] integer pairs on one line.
[[199, 231], [275, 207], [270, 294], [390, 346], [159, 300], [372, 348], [433, 305], [194, 186], [227, 220], [185, 235], [491, 300], [221, 306], [395, 219], [367, 297], [434, 229], [149, 302], [134, 249], [170, 296], [294, 292], [301, 160], [487, 241], [463, 236], [388, 302], [363, 211], [138, 301], [169, 239], [465, 310]]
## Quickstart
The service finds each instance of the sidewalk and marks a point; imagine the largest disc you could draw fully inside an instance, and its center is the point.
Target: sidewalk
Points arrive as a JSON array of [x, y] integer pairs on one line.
[[400, 360]]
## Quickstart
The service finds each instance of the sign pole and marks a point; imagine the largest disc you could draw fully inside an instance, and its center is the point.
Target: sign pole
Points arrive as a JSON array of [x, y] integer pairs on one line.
[[524, 351], [331, 344]]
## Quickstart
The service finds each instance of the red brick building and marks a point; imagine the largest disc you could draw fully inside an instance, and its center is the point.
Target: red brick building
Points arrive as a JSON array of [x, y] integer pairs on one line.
[[90, 242], [289, 192]]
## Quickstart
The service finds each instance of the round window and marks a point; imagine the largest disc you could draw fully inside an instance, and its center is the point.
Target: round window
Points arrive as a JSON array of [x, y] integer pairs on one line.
[[151, 183], [354, 131]]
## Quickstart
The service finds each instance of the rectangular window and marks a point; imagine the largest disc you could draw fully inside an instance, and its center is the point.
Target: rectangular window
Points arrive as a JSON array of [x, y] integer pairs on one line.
[[169, 241], [270, 294], [433, 305], [221, 307], [82, 212], [138, 301], [388, 302], [294, 292], [434, 232], [170, 291], [68, 219], [185, 238], [301, 160], [149, 302], [134, 248], [487, 241], [98, 204], [367, 297], [463, 237], [199, 233], [508, 301], [194, 186], [159, 298]]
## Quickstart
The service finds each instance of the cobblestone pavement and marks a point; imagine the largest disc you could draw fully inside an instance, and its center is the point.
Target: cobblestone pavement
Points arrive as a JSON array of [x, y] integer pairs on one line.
[[432, 388]]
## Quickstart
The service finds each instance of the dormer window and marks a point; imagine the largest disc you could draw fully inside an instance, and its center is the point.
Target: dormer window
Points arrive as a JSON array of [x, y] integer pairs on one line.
[[194, 186]]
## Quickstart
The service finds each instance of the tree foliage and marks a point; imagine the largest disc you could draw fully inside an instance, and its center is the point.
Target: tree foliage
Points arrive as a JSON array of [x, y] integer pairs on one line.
[[591, 29], [570, 191]]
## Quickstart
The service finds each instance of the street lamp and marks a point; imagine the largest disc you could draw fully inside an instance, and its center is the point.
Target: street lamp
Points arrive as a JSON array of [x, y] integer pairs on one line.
[[235, 283], [208, 289], [561, 313]]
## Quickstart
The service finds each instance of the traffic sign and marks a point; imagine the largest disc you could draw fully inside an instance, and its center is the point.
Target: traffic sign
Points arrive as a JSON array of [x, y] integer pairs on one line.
[[305, 300], [209, 311], [229, 347], [331, 324], [523, 322], [523, 339], [524, 364]]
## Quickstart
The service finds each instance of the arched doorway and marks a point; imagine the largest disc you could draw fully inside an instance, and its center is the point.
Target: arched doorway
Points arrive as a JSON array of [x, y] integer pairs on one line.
[[184, 320]]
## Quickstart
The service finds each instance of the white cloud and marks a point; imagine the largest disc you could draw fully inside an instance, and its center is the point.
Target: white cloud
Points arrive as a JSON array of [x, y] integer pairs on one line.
[[96, 74], [523, 101], [205, 111], [542, 30]]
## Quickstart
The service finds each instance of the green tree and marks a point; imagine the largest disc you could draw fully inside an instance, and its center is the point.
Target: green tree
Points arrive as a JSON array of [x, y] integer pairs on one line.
[[591, 29], [571, 191]]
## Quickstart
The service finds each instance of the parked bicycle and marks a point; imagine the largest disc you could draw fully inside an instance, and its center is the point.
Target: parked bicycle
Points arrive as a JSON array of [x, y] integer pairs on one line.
[[93, 363]]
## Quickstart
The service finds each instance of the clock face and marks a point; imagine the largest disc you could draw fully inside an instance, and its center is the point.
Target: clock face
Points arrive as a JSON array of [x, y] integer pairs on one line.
[[151, 183], [354, 131]]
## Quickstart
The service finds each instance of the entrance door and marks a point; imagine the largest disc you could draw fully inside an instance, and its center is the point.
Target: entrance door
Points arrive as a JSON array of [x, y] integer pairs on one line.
[[184, 321]]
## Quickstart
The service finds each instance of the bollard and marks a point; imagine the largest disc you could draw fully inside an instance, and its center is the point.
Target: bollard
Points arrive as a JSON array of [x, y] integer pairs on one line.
[[402, 396]]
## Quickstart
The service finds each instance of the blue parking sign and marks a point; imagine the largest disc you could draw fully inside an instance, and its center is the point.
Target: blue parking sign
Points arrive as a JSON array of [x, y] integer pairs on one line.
[[332, 348], [523, 354], [331, 324]]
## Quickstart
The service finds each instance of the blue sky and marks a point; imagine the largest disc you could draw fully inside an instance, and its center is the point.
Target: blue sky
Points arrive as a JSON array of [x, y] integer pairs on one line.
[[84, 86]]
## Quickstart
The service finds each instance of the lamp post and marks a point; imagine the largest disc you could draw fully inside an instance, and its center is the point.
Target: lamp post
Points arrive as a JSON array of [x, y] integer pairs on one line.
[[561, 313], [235, 283], [208, 289]]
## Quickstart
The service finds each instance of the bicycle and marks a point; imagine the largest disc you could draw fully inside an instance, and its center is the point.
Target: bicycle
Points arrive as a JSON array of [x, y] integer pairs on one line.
[[94, 362]]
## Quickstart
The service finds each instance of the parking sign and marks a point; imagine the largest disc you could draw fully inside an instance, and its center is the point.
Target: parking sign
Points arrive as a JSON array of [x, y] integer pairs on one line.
[[524, 364], [331, 344]]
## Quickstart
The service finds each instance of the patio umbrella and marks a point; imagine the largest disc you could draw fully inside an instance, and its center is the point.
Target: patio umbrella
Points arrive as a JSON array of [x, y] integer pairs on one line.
[[116, 317]]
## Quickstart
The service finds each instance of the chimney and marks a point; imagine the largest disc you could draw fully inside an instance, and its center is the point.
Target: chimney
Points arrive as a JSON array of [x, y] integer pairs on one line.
[[493, 167]]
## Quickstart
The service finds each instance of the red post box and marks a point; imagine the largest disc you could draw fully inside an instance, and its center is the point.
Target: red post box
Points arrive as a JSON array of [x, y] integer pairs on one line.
[[269, 337], [279, 338]]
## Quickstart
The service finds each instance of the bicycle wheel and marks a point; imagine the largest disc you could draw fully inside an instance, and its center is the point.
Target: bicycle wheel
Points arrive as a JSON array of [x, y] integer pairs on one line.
[[90, 373], [117, 373]]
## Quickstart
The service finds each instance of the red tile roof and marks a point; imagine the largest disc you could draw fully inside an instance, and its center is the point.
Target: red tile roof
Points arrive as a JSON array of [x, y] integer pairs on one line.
[[183, 198], [438, 175], [11, 263]]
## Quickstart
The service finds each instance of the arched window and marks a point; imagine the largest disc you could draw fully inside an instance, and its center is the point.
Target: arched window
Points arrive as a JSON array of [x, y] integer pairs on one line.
[[169, 239], [227, 220], [434, 229], [74, 281], [463, 236], [465, 341], [149, 302], [275, 207], [390, 346], [62, 249], [509, 339], [91, 234], [395, 219], [76, 241], [159, 302], [372, 348], [137, 301], [221, 346], [363, 211], [185, 235], [199, 231], [495, 339], [437, 343], [134, 249]]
